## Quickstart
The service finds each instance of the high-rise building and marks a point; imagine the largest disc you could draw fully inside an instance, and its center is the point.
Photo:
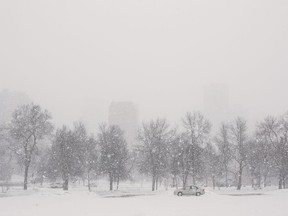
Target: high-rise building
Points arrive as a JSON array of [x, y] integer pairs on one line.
[[9, 101], [216, 103], [125, 115]]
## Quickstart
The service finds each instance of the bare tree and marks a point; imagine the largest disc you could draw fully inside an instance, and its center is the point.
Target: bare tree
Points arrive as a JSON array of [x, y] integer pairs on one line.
[[155, 138], [29, 125], [41, 166], [182, 159], [197, 129], [213, 165], [176, 150], [259, 160], [223, 143], [114, 153], [240, 141], [6, 157], [86, 151], [276, 132], [91, 157], [66, 158]]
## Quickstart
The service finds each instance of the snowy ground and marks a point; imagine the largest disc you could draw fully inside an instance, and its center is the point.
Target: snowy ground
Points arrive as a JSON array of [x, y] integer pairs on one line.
[[78, 202]]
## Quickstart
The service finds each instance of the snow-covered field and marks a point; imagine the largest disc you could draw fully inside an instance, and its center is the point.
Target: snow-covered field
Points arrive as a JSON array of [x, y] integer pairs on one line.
[[78, 202]]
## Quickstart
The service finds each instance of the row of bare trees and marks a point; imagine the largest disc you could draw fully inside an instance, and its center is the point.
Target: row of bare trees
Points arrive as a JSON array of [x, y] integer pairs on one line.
[[75, 155], [193, 155], [68, 154], [189, 154]]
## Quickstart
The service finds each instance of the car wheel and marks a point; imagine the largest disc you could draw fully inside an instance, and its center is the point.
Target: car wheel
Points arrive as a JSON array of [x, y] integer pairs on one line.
[[180, 194], [198, 194]]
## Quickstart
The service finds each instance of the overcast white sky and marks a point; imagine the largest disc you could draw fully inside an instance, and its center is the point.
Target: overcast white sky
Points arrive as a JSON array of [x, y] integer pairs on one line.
[[75, 57]]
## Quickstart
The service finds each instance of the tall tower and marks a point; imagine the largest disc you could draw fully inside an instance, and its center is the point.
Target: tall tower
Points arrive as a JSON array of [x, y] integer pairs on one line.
[[125, 115]]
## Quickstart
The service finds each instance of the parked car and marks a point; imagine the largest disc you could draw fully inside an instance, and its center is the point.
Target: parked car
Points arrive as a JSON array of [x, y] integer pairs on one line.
[[189, 190], [56, 185]]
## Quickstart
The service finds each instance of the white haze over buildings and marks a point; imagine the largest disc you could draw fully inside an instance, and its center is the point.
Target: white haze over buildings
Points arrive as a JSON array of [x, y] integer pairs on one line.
[[76, 57]]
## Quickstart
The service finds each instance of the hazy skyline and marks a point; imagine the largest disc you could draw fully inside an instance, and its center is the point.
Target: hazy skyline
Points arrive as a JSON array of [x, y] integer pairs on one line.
[[74, 58]]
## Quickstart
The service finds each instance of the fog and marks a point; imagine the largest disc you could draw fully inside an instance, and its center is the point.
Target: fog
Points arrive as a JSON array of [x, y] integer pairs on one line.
[[76, 57]]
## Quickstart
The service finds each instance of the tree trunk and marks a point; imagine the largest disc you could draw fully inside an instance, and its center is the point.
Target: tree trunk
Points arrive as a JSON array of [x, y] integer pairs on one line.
[[88, 181], [111, 182], [41, 181], [194, 180], [174, 181], [185, 180], [280, 182], [240, 179], [213, 182], [265, 180], [226, 177], [26, 176], [252, 181], [118, 183], [153, 183], [156, 183], [66, 184], [259, 181]]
